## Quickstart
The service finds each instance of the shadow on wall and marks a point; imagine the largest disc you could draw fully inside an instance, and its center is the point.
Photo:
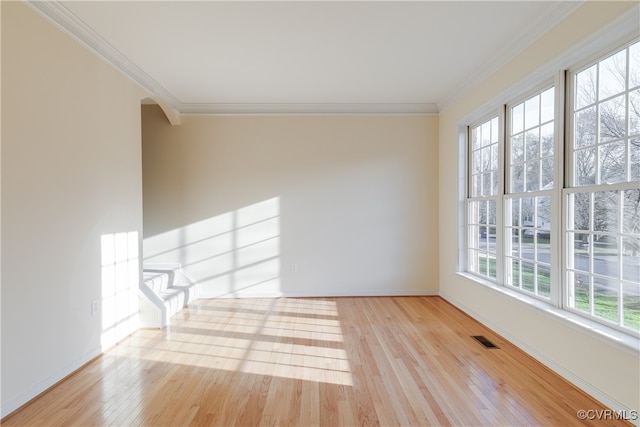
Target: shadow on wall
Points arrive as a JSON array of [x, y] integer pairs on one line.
[[231, 253]]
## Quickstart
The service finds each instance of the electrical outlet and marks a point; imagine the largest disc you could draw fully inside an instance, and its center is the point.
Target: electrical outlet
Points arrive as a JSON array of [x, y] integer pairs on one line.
[[294, 268], [95, 306]]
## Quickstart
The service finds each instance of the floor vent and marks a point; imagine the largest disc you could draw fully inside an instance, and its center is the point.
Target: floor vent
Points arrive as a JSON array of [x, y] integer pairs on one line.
[[484, 341]]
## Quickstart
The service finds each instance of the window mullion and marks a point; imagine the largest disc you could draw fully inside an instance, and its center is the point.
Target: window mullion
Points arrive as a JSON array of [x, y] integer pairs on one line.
[[558, 222], [620, 257], [592, 241], [500, 225]]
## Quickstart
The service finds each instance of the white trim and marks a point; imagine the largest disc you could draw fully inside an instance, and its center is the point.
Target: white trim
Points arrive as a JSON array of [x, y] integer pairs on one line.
[[557, 218], [70, 24], [369, 293], [32, 392], [620, 31], [293, 108], [609, 336], [56, 13], [591, 190], [556, 13], [557, 368], [500, 202], [463, 194]]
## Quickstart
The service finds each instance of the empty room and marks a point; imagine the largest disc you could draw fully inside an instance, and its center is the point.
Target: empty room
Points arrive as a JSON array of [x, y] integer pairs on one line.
[[338, 213]]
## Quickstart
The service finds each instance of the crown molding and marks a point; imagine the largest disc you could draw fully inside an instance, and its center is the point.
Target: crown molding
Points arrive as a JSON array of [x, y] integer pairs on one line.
[[299, 108], [65, 20], [621, 30], [56, 13], [557, 12]]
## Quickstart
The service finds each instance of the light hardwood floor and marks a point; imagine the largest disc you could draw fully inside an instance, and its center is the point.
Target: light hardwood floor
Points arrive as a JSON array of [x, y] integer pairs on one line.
[[392, 361]]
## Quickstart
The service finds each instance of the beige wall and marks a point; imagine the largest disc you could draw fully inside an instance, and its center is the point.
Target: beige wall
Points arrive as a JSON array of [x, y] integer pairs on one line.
[[71, 189], [347, 199], [609, 372]]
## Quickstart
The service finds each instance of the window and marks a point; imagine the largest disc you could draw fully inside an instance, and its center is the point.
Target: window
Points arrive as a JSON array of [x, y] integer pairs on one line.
[[602, 255], [528, 203], [603, 194], [484, 196], [569, 238]]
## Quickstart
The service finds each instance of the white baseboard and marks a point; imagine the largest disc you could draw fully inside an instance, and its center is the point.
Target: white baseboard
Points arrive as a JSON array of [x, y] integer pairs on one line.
[[373, 293], [48, 382], [585, 386]]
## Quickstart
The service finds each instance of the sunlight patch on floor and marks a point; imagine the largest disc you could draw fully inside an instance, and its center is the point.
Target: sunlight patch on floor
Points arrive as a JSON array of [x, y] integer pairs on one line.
[[298, 339]]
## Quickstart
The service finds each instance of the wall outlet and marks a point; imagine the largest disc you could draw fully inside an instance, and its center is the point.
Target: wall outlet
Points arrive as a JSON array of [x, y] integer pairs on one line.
[[293, 268], [95, 306]]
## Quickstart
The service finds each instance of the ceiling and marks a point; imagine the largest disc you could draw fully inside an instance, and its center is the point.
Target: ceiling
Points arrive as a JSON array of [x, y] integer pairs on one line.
[[306, 56]]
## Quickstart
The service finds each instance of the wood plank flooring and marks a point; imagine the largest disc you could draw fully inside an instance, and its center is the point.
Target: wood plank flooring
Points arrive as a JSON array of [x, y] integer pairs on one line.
[[387, 361]]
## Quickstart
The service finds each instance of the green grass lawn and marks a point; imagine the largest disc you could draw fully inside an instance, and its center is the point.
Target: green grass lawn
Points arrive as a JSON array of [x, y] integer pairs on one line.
[[544, 279], [482, 265], [605, 305], [528, 278]]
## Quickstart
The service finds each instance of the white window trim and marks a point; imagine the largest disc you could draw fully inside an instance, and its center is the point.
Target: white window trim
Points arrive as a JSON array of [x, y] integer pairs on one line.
[[619, 32], [621, 340], [498, 198], [570, 185], [566, 305], [557, 82]]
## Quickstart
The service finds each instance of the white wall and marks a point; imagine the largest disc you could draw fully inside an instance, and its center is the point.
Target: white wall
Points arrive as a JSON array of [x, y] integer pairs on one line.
[[348, 199], [71, 205], [609, 372]]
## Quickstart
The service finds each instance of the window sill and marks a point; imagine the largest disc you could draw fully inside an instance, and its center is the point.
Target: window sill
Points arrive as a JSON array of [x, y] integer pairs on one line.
[[610, 336]]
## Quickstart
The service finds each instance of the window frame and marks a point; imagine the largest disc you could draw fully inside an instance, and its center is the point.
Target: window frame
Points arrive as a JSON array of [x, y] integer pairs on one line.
[[469, 198], [557, 83], [568, 289], [561, 77], [572, 187], [569, 116]]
